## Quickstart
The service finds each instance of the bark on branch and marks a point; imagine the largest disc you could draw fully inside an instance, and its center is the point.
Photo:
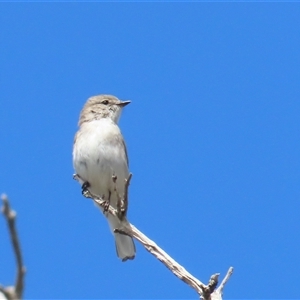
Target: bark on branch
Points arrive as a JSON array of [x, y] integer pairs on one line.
[[16, 291], [205, 291]]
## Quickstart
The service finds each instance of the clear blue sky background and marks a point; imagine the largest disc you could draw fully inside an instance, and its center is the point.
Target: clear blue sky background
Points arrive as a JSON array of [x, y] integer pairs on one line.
[[212, 135]]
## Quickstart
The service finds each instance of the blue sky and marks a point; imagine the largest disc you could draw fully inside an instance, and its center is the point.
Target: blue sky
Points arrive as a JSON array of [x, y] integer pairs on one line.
[[212, 134]]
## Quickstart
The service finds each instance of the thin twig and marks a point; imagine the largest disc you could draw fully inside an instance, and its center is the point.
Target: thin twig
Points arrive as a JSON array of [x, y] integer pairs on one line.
[[224, 281], [125, 196], [10, 215], [206, 292]]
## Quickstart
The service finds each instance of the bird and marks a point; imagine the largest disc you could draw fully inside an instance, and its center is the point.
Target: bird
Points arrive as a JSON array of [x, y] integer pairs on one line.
[[99, 155]]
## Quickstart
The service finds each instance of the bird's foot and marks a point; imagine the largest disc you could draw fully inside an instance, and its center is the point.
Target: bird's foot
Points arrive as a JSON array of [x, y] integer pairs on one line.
[[85, 190]]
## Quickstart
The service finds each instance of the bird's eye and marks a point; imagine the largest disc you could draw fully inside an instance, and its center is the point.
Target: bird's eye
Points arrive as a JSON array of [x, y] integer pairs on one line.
[[105, 102]]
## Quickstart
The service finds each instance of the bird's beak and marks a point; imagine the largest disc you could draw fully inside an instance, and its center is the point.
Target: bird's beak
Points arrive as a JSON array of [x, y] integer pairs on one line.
[[124, 103]]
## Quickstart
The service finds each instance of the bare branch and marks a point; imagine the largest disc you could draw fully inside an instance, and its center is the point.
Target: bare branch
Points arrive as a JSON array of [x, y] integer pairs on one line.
[[125, 201], [206, 292], [15, 292]]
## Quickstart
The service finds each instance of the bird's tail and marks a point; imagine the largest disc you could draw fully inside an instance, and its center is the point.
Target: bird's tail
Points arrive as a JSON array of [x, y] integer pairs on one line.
[[124, 244]]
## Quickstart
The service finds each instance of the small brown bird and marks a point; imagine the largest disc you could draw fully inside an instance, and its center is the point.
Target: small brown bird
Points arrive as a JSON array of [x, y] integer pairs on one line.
[[99, 153]]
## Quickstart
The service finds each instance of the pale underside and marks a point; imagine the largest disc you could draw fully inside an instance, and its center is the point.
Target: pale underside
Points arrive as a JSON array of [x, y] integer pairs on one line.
[[99, 154]]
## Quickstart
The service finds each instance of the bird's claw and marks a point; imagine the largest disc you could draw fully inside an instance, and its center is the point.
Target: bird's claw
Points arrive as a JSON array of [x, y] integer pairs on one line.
[[84, 188]]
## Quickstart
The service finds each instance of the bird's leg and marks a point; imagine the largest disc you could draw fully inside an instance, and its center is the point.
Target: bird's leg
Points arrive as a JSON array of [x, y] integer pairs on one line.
[[84, 188], [107, 203]]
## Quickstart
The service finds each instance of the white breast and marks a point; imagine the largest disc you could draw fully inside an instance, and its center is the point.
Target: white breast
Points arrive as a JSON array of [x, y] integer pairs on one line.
[[98, 154]]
